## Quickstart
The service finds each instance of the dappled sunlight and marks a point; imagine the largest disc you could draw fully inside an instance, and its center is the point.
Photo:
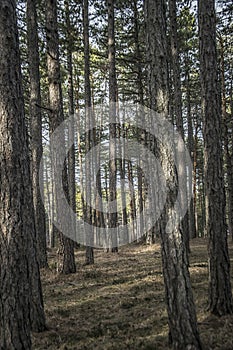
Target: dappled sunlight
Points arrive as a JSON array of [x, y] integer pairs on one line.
[[118, 303]]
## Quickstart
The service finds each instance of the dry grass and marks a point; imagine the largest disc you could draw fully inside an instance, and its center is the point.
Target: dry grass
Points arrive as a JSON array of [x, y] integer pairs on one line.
[[119, 303]]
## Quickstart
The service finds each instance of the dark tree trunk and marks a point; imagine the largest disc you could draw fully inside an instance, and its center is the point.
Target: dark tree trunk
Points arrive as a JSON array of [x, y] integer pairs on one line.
[[180, 305], [175, 67], [138, 56], [220, 295], [36, 130], [112, 122], [20, 302], [191, 148], [66, 259], [226, 141], [71, 109], [89, 136]]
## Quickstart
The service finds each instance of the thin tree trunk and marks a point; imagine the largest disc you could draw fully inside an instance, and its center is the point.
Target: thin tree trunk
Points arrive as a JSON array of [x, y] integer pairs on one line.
[[66, 260], [112, 124], [141, 138], [89, 134], [122, 172], [178, 108], [192, 206], [49, 192], [195, 180], [71, 130], [36, 130]]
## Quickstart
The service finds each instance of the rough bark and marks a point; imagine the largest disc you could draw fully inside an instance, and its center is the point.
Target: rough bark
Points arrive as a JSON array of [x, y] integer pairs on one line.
[[89, 128], [226, 141], [71, 109], [66, 259], [191, 148], [180, 305], [138, 56], [36, 130], [21, 304], [220, 295], [177, 99], [112, 121]]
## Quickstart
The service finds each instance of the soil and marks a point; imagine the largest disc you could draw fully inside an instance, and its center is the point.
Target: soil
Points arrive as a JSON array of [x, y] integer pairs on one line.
[[118, 303]]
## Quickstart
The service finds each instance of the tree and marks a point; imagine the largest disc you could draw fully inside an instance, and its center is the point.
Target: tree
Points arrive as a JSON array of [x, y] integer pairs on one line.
[[220, 295], [180, 306], [71, 109], [177, 101], [112, 120], [36, 129], [67, 264], [21, 303], [89, 123]]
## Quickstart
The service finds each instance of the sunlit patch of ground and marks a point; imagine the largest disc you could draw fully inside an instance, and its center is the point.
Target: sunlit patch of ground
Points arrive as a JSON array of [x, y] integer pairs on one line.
[[119, 303]]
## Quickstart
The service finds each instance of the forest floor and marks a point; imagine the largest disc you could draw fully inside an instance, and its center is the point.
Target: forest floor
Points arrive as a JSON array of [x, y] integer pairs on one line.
[[118, 303]]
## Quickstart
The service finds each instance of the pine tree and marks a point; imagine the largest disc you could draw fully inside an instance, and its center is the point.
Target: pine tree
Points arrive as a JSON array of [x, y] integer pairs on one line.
[[36, 129], [180, 306], [220, 295], [66, 262]]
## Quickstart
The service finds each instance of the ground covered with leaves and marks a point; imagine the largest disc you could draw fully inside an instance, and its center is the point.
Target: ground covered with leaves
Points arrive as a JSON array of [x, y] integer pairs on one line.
[[118, 303]]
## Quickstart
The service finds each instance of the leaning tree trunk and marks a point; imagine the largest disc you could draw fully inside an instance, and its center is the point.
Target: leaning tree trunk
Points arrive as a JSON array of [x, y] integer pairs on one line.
[[180, 305], [66, 261], [36, 130], [220, 295], [20, 302]]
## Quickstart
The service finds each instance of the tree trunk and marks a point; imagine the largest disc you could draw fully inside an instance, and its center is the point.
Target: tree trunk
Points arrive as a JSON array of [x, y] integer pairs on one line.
[[66, 260], [89, 135], [192, 206], [226, 141], [220, 296], [138, 56], [180, 306], [36, 130], [71, 109], [112, 123], [175, 66], [20, 302]]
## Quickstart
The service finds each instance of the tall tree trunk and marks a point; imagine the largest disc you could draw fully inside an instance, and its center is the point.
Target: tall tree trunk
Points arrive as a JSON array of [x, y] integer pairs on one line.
[[220, 296], [226, 141], [231, 165], [66, 263], [19, 301], [180, 306], [175, 66], [50, 200], [36, 130], [191, 145], [112, 122], [89, 134], [121, 133], [195, 149], [71, 130], [141, 136]]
